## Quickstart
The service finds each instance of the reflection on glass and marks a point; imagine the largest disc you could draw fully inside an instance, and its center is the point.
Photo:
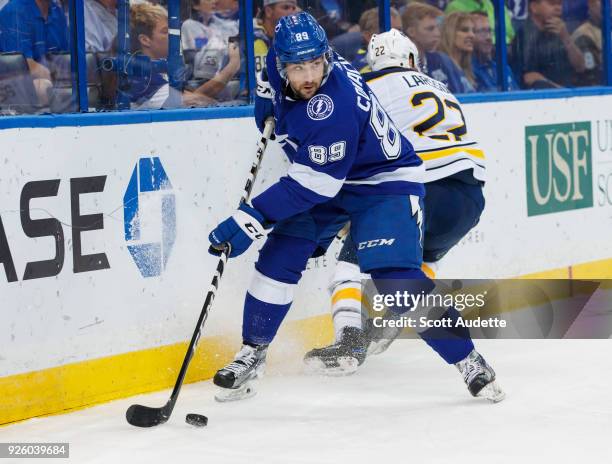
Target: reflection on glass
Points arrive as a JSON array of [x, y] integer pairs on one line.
[[34, 61], [588, 38], [207, 67], [265, 21], [485, 6], [458, 43], [212, 49], [546, 56], [556, 44], [100, 24], [341, 20], [423, 24], [484, 64]]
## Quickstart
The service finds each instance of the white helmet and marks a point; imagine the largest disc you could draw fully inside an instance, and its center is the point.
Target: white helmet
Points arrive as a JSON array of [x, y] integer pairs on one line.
[[390, 49]]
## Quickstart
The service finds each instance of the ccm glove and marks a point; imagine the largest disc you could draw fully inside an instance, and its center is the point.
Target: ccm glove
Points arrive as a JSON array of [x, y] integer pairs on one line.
[[239, 230], [264, 107]]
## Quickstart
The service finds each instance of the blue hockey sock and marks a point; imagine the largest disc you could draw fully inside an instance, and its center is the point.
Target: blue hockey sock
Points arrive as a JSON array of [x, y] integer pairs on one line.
[[261, 320], [452, 343], [403, 281]]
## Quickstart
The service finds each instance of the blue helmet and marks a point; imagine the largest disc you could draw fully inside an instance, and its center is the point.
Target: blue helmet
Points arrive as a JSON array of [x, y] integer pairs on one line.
[[298, 38]]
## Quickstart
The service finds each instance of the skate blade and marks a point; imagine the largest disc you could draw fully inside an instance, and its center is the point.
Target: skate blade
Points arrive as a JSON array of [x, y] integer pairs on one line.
[[225, 395], [346, 366], [492, 392], [378, 347]]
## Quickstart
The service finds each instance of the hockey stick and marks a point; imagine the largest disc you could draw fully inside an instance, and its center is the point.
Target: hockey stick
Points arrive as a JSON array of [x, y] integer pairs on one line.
[[145, 416]]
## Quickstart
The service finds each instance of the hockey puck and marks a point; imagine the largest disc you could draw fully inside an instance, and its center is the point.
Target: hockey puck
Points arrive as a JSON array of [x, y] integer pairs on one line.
[[197, 420]]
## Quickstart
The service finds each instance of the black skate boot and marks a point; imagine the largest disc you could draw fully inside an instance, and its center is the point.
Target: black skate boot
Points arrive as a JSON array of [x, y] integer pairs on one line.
[[380, 338], [235, 378], [480, 378], [341, 358]]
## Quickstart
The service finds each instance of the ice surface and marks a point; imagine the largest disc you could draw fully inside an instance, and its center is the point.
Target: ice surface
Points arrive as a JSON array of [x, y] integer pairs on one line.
[[405, 405]]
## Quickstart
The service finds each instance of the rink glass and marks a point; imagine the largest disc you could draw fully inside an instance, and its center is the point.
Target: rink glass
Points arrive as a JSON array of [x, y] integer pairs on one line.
[[189, 54], [86, 68], [551, 35], [37, 71]]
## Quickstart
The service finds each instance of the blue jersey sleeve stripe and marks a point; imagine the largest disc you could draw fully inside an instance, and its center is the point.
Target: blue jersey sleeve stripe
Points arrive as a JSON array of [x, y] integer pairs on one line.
[[406, 174], [318, 182]]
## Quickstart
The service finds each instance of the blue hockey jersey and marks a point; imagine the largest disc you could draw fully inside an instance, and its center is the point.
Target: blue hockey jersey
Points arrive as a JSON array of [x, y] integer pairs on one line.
[[340, 139]]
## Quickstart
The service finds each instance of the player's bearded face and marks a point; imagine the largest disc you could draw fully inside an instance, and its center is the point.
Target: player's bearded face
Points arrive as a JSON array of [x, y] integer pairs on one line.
[[305, 78]]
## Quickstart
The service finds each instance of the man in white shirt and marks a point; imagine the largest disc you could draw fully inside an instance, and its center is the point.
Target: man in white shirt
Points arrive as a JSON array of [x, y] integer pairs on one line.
[[100, 24]]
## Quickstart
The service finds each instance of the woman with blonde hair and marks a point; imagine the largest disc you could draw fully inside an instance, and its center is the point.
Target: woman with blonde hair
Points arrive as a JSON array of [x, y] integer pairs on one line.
[[458, 43], [149, 37]]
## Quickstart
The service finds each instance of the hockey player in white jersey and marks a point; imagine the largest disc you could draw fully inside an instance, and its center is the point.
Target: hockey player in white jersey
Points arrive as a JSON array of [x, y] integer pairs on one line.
[[432, 119]]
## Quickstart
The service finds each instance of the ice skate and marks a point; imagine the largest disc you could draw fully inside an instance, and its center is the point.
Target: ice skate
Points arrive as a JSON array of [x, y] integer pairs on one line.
[[480, 378], [236, 378], [341, 358], [380, 338]]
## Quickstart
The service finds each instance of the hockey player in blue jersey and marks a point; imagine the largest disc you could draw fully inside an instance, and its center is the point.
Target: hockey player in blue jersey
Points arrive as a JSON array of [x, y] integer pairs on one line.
[[349, 162], [454, 177]]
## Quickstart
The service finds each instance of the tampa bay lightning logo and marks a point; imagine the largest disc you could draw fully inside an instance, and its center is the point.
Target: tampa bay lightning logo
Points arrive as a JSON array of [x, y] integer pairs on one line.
[[320, 107]]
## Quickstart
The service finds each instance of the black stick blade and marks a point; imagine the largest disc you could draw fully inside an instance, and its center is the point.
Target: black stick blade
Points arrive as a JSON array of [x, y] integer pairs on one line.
[[144, 416]]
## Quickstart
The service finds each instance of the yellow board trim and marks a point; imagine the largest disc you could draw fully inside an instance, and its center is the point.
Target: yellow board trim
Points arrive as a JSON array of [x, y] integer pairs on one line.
[[79, 385]]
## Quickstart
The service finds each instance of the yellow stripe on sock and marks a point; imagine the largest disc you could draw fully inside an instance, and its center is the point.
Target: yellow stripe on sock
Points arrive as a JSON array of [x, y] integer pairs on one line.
[[451, 151], [429, 272], [351, 294], [346, 294]]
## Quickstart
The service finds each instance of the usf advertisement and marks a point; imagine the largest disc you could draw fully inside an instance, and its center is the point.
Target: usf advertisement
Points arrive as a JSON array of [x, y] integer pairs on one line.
[[559, 167]]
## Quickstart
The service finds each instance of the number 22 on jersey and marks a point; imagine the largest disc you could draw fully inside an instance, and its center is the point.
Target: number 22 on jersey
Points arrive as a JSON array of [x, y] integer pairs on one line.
[[445, 123]]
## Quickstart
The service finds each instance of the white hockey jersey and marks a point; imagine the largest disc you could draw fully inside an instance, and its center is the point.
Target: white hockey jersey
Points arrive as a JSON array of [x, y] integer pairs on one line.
[[432, 119]]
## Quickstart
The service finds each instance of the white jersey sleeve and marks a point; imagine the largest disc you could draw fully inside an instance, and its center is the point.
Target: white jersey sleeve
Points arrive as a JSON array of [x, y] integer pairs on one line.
[[433, 120]]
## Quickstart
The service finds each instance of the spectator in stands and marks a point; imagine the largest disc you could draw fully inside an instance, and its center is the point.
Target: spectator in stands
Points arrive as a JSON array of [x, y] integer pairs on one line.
[[355, 8], [469, 6], [198, 28], [369, 25], [264, 25], [228, 9], [349, 40], [588, 39], [483, 64], [204, 47], [439, 4], [149, 36], [229, 18], [100, 24], [546, 56], [34, 28], [458, 43], [575, 12], [337, 16], [518, 11], [421, 24]]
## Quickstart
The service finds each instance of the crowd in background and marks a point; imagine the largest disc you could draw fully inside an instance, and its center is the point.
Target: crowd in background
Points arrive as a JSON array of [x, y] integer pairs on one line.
[[550, 44]]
